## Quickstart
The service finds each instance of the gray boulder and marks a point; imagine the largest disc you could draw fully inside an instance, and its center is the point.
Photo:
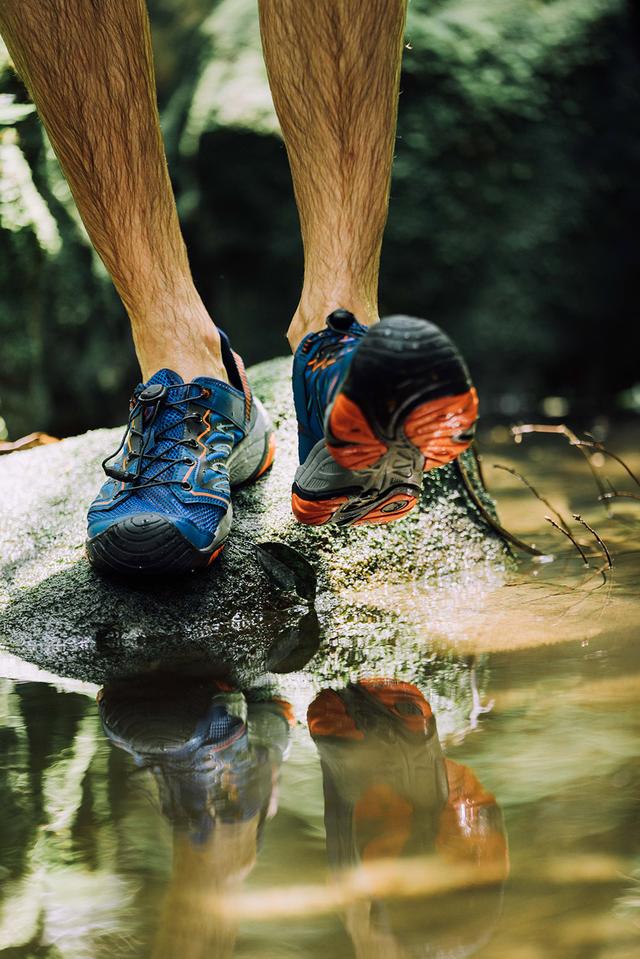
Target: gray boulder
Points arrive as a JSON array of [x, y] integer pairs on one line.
[[262, 606]]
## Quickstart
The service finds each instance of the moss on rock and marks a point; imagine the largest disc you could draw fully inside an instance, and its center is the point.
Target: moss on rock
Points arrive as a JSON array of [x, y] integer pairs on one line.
[[57, 612]]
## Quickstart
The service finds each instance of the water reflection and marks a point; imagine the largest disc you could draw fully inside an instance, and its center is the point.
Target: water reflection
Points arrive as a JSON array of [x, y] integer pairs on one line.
[[215, 755], [391, 799], [389, 792]]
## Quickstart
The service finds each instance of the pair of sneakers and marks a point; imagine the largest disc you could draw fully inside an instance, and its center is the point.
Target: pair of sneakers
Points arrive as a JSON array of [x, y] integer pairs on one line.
[[376, 408]]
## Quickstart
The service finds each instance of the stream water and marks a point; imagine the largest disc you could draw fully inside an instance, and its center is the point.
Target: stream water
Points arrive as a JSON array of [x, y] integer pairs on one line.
[[481, 799]]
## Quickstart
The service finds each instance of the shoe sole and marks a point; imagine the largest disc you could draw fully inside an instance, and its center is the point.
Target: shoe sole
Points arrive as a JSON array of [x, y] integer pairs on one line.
[[150, 544], [254, 456], [353, 510], [406, 406], [147, 544]]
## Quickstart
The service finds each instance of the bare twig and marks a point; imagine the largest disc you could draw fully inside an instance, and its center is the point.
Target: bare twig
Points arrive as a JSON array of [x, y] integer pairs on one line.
[[477, 709], [562, 430], [598, 538], [569, 536], [478, 461], [523, 479], [616, 494], [602, 571], [594, 445], [486, 515]]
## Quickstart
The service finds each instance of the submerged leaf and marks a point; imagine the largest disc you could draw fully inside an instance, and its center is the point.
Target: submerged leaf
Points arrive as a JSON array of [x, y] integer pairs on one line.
[[288, 569]]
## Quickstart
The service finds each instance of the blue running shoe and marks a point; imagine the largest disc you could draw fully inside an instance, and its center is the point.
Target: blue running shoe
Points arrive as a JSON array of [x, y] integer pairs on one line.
[[377, 407], [166, 505]]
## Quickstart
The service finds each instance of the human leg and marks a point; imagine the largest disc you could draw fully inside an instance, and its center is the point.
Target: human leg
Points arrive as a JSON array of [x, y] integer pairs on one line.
[[334, 71], [89, 69]]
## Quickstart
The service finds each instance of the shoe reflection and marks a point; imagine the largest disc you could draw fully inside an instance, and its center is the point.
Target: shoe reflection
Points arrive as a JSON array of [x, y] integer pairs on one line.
[[215, 755], [390, 794], [390, 797]]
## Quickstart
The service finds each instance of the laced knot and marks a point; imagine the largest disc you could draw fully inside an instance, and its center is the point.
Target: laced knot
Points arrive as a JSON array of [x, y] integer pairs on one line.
[[152, 452]]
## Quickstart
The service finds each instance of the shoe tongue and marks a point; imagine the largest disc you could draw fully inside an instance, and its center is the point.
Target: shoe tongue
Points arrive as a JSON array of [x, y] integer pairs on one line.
[[165, 378], [169, 420]]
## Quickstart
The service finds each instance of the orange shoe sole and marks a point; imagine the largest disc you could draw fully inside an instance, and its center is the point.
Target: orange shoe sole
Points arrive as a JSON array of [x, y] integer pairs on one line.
[[271, 453], [316, 512], [431, 427], [320, 511]]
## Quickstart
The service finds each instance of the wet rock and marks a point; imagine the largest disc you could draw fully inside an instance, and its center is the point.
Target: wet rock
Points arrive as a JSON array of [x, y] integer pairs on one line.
[[57, 612]]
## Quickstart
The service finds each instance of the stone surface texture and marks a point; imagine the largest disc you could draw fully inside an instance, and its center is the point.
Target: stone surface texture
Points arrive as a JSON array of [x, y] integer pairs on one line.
[[57, 612]]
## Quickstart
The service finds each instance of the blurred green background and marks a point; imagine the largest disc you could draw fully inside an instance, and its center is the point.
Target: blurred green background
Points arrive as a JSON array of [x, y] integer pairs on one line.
[[513, 223]]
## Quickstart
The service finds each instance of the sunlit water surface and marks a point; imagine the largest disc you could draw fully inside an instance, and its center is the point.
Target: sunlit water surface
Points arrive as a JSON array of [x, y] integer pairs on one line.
[[488, 805]]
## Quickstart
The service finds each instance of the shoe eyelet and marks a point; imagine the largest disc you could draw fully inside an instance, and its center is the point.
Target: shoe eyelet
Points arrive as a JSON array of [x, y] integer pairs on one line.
[[188, 461], [193, 444], [186, 486], [206, 393]]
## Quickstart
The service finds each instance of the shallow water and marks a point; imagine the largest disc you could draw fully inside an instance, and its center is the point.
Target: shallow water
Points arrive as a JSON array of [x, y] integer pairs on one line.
[[333, 811]]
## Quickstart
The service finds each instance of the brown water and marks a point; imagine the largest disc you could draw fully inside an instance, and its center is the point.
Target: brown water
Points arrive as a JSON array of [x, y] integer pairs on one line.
[[323, 814]]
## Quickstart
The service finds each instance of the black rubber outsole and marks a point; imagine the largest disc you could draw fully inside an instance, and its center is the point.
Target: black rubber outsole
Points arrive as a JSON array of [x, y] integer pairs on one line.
[[148, 544], [403, 361]]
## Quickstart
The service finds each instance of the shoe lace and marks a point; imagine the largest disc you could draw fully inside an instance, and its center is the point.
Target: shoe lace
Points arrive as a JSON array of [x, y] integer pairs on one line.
[[156, 399], [332, 342]]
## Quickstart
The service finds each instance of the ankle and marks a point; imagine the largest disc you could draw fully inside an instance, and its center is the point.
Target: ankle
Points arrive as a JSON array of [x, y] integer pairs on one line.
[[311, 316], [189, 345], [186, 364]]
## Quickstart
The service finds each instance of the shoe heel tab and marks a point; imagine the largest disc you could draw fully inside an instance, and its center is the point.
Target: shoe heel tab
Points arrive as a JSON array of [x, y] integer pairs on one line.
[[233, 364], [341, 321]]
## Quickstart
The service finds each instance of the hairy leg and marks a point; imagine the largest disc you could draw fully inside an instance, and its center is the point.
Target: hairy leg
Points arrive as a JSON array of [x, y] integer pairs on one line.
[[334, 71], [88, 66]]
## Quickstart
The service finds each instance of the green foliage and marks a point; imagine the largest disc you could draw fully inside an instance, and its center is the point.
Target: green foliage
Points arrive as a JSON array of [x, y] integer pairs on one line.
[[519, 137], [10, 112], [65, 347], [518, 151]]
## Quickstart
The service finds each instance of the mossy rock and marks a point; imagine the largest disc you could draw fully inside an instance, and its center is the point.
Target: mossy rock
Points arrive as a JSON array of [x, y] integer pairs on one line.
[[60, 614]]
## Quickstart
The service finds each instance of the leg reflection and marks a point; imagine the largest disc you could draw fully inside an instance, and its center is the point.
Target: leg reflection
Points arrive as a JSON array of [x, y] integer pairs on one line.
[[391, 795], [215, 755]]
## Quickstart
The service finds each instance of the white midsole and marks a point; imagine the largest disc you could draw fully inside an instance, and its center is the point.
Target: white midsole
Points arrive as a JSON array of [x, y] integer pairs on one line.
[[321, 474], [247, 456]]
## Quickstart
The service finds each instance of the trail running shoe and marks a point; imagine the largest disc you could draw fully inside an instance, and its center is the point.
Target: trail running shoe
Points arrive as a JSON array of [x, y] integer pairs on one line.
[[166, 505], [376, 408]]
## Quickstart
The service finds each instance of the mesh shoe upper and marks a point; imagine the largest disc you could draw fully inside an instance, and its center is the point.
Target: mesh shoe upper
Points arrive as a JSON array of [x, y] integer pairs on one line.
[[174, 453], [320, 365]]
